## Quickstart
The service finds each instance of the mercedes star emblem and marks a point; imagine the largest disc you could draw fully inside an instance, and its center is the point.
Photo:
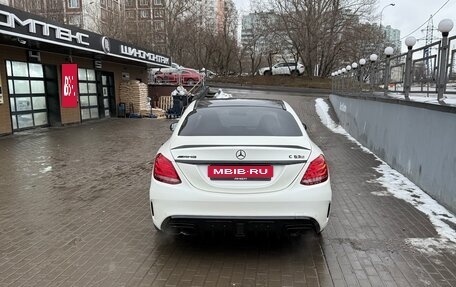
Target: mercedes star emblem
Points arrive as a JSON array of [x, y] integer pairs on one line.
[[240, 154]]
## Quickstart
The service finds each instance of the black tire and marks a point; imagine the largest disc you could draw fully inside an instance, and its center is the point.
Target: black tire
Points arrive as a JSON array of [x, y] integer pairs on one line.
[[267, 73], [295, 73]]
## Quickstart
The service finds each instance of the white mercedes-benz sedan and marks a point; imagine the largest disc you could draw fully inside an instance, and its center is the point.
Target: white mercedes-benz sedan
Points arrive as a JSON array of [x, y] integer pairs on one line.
[[242, 166]]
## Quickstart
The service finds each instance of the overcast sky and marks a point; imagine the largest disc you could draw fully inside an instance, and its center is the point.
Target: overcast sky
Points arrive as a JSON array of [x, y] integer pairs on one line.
[[406, 15]]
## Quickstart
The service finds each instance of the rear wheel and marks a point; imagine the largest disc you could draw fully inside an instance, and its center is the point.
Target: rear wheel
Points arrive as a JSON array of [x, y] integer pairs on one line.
[[267, 73], [295, 73]]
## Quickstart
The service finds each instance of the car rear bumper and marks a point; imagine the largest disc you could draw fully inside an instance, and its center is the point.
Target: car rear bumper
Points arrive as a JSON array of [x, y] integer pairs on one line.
[[302, 203], [238, 226]]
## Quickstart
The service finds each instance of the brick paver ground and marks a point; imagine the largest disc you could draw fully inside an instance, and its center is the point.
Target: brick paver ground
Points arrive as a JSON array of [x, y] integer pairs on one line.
[[74, 212]]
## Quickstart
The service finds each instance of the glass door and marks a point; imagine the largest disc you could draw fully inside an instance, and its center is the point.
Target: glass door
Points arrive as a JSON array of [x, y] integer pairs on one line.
[[108, 94], [26, 89]]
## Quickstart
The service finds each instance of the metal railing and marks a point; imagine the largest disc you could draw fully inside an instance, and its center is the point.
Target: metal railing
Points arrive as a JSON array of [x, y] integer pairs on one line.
[[428, 71]]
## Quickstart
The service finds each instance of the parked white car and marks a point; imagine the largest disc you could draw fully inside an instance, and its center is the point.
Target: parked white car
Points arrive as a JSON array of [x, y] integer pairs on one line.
[[283, 69], [239, 165]]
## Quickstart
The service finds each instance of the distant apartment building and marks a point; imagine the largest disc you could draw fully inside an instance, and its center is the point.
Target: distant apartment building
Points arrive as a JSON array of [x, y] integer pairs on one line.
[[145, 22], [213, 13], [256, 32], [137, 21], [86, 14], [393, 38]]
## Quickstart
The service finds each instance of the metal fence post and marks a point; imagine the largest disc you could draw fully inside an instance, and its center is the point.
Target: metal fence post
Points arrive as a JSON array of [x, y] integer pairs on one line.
[[362, 62], [373, 59], [409, 42], [386, 75], [445, 27]]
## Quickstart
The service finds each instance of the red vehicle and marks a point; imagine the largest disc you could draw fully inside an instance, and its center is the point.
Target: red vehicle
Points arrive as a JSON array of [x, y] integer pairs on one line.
[[185, 77]]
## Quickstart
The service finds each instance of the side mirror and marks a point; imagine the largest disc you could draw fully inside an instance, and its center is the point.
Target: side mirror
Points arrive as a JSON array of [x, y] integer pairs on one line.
[[172, 126], [305, 126]]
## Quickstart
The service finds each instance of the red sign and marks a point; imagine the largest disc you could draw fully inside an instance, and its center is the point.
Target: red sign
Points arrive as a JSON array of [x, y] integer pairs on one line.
[[237, 172], [70, 88]]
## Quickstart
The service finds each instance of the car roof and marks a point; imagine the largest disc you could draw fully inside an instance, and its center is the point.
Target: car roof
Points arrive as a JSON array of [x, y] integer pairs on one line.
[[236, 102]]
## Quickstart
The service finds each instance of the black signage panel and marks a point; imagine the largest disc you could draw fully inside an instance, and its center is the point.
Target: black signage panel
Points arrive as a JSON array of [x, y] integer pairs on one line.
[[18, 23]]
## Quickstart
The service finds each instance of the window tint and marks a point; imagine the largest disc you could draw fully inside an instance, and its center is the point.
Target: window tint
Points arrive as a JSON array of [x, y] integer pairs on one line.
[[239, 121]]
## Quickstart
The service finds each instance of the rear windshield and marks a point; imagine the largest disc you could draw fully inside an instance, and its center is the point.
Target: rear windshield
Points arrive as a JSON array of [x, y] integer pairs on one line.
[[240, 121]]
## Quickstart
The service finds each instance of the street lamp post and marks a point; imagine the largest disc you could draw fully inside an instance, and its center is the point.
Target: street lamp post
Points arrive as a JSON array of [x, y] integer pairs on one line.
[[344, 72], [373, 58], [388, 52], [381, 13], [380, 24], [444, 27], [354, 66], [339, 83], [362, 62], [349, 79], [409, 42]]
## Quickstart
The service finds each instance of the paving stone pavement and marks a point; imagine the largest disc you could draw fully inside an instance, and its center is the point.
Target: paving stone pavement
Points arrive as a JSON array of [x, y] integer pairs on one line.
[[74, 212]]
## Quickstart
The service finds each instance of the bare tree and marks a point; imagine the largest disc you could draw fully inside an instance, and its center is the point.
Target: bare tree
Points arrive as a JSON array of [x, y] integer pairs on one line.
[[175, 12], [320, 30]]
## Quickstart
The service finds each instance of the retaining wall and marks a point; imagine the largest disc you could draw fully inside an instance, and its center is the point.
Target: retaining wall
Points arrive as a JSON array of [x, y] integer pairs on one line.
[[416, 139]]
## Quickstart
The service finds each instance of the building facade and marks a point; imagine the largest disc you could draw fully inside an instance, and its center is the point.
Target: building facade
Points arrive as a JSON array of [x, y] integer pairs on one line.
[[393, 38], [136, 21], [214, 13], [145, 23], [53, 74], [256, 33]]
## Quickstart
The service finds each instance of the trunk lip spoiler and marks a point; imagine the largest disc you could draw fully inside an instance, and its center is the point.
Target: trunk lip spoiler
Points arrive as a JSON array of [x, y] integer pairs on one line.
[[240, 146], [237, 162]]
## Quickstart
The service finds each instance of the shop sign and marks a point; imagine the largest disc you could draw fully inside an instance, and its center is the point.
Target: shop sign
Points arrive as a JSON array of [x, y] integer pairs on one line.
[[140, 54], [70, 91], [27, 26]]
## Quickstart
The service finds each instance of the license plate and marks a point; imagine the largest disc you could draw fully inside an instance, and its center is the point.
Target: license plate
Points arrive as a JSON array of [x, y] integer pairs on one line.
[[238, 172]]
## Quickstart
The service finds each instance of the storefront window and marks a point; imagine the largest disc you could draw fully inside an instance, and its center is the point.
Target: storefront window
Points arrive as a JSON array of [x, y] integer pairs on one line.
[[37, 87], [21, 87], [85, 114], [39, 103], [94, 112], [92, 88], [12, 105], [20, 69], [36, 70], [24, 121], [84, 101], [14, 122], [93, 100], [88, 97], [82, 75], [91, 75], [23, 104], [11, 87], [40, 118], [9, 73], [27, 94], [83, 88]]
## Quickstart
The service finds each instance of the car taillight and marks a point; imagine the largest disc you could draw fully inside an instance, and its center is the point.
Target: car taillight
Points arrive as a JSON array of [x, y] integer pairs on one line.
[[164, 170], [317, 172]]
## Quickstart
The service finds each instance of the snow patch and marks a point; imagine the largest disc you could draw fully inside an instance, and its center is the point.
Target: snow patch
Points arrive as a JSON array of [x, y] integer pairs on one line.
[[401, 187]]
